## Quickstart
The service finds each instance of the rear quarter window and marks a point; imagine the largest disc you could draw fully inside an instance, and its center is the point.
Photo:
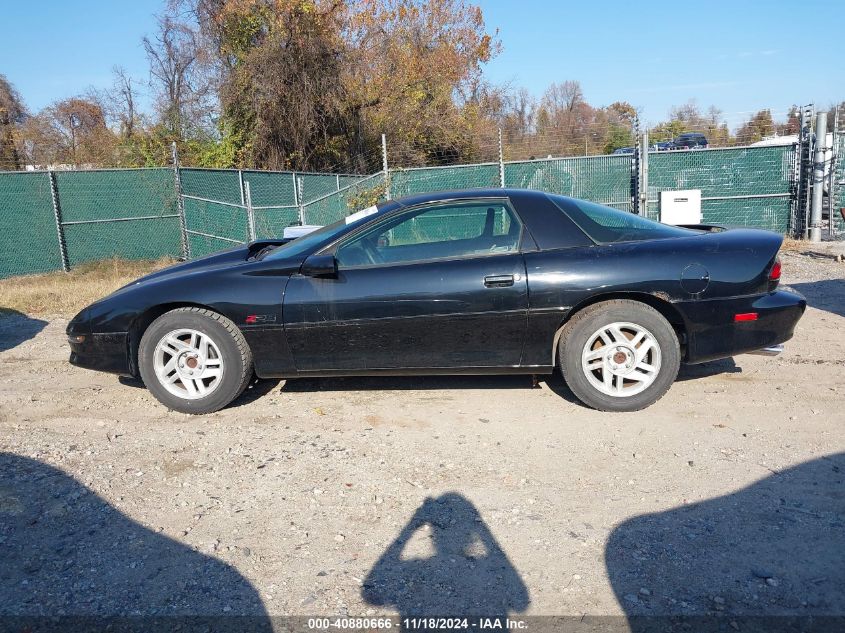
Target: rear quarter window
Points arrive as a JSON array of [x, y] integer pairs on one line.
[[605, 225]]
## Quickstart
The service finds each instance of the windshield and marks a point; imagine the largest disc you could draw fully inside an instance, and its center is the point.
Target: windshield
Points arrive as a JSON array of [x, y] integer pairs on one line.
[[308, 243], [605, 225]]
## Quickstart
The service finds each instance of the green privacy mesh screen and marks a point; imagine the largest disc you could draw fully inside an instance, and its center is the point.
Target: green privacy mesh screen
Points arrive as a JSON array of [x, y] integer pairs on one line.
[[743, 186], [138, 198], [740, 186], [602, 179], [28, 237]]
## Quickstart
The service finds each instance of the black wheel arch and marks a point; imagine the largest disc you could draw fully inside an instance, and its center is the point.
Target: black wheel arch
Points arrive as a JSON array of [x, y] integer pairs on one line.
[[658, 301], [143, 320]]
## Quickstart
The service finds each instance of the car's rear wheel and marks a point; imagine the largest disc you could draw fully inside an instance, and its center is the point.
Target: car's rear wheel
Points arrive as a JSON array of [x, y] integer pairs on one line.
[[619, 355], [194, 360]]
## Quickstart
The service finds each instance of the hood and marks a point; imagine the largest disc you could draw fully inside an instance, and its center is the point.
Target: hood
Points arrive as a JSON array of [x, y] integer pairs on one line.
[[215, 260]]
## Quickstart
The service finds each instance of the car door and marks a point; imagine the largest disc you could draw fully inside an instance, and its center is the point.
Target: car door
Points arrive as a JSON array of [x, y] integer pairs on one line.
[[435, 286]]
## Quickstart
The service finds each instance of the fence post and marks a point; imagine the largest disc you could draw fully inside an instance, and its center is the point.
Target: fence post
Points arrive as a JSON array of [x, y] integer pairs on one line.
[[250, 212], [241, 186], [384, 166], [57, 213], [501, 161], [643, 175], [337, 182], [818, 178], [299, 201], [832, 174], [635, 171], [180, 204]]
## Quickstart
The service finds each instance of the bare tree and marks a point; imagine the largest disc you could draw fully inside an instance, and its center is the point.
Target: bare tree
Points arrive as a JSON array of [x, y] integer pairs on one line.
[[122, 102], [563, 98], [564, 118], [176, 76], [118, 103]]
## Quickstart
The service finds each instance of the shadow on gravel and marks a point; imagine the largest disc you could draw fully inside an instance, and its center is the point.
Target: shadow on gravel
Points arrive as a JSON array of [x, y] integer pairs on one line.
[[711, 368], [557, 385], [404, 383], [17, 328], [827, 294], [446, 562], [760, 556], [256, 389], [67, 552]]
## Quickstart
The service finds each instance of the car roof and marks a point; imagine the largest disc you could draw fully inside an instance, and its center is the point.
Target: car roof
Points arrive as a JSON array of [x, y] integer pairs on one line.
[[482, 192]]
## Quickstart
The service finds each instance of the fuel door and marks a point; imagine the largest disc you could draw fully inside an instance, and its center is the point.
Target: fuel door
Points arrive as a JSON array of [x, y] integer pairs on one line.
[[695, 279]]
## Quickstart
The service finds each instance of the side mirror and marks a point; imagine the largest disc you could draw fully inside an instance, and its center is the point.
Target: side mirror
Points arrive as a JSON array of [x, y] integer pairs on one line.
[[319, 266]]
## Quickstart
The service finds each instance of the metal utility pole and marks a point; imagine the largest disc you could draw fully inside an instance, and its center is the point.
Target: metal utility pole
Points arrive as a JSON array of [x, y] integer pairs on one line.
[[818, 178], [384, 166], [501, 161], [832, 173], [800, 218]]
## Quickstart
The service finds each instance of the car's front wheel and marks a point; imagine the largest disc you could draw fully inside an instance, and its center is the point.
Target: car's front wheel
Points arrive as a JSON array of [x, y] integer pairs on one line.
[[619, 355], [194, 360]]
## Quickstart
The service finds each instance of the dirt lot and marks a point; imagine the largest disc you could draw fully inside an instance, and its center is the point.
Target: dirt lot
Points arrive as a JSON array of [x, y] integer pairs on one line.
[[309, 497]]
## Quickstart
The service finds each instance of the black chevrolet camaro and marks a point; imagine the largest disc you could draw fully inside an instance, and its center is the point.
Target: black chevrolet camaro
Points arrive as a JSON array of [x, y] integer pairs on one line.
[[462, 282]]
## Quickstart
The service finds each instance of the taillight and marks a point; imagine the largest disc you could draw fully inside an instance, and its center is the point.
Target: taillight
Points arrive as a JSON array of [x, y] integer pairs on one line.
[[774, 273]]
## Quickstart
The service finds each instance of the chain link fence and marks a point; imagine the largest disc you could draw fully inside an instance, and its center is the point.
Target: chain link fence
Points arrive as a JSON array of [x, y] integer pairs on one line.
[[602, 179], [28, 236], [223, 207], [129, 213], [836, 208], [55, 220], [747, 186]]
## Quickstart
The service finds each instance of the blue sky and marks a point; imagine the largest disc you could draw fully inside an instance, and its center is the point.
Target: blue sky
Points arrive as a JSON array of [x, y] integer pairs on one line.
[[741, 56]]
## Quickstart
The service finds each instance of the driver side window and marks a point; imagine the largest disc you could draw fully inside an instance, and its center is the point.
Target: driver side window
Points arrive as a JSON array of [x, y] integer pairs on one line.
[[442, 231]]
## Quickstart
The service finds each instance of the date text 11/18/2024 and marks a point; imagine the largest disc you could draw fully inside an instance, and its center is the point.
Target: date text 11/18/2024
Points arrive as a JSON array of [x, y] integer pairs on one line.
[[419, 623]]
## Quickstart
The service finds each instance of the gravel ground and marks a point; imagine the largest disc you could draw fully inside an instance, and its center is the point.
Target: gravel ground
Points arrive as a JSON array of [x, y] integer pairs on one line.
[[372, 496]]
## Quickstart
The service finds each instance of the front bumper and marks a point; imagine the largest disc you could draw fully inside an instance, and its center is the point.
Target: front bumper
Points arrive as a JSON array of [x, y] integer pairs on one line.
[[713, 333], [101, 351]]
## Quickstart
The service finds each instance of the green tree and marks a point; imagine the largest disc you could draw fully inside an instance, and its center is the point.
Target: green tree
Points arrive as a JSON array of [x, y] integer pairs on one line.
[[618, 136], [758, 127], [312, 84], [70, 132], [12, 114]]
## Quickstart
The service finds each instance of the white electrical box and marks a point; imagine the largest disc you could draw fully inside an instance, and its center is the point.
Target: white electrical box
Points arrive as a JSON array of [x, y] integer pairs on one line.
[[680, 207]]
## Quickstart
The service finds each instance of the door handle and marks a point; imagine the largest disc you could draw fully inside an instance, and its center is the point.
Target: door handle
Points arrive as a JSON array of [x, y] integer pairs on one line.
[[498, 281]]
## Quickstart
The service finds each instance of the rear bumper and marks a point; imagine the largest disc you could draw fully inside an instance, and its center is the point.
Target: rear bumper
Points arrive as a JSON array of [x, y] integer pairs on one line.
[[712, 332]]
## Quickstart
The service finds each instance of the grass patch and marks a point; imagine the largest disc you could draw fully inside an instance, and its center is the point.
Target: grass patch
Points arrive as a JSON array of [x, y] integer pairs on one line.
[[790, 244], [65, 294]]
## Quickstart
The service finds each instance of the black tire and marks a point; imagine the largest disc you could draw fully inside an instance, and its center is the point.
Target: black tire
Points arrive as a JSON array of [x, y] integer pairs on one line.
[[578, 332], [235, 353]]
